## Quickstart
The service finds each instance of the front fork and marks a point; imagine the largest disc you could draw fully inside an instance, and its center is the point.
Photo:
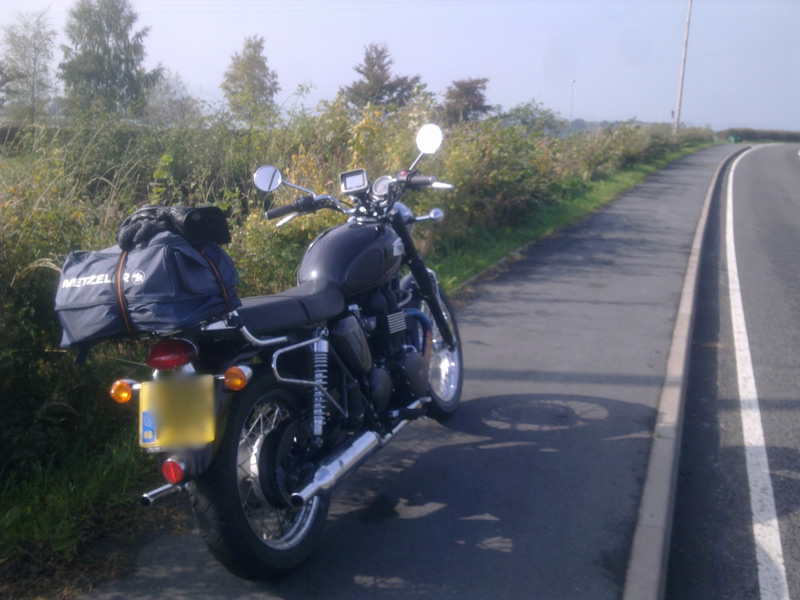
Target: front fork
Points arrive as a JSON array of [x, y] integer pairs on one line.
[[427, 287]]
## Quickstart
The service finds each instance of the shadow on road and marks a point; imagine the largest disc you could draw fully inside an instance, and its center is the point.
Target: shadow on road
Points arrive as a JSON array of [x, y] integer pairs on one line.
[[522, 493], [488, 505]]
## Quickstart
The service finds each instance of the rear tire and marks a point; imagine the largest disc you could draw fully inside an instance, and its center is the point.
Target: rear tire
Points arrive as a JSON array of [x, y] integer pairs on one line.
[[240, 500]]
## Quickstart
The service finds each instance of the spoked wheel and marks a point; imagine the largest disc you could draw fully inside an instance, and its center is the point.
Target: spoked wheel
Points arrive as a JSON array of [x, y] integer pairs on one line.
[[446, 366], [242, 500]]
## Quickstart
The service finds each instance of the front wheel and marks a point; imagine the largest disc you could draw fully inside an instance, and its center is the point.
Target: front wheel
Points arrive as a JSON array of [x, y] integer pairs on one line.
[[242, 501], [445, 366]]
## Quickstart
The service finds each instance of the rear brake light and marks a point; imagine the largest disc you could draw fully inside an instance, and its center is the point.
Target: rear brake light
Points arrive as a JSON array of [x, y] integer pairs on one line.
[[171, 354], [172, 470]]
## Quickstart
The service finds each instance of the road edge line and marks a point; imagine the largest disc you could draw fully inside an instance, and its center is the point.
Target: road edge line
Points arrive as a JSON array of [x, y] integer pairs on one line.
[[646, 574]]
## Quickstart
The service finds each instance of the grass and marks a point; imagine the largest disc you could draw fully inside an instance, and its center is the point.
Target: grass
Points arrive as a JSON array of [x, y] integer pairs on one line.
[[53, 518], [50, 515]]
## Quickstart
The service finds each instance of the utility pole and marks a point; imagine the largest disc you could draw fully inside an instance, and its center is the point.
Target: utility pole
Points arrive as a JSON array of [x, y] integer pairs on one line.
[[683, 71]]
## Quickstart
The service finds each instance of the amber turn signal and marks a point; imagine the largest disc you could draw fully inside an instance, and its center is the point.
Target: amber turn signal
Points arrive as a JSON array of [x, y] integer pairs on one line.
[[236, 377], [122, 391]]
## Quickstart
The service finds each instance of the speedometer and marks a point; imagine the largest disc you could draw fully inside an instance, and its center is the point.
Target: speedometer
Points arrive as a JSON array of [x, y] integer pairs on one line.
[[380, 187], [380, 191]]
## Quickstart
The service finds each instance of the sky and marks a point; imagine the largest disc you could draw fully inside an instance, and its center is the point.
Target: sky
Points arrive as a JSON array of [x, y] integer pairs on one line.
[[590, 59]]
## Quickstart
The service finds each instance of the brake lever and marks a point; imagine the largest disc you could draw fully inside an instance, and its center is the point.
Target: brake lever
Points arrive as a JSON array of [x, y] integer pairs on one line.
[[436, 215], [286, 219]]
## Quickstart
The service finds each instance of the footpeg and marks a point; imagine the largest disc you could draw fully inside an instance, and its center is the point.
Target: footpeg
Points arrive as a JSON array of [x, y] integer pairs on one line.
[[409, 414], [417, 409]]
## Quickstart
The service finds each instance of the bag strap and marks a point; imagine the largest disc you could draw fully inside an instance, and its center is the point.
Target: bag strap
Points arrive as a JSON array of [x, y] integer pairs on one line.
[[123, 305], [223, 289]]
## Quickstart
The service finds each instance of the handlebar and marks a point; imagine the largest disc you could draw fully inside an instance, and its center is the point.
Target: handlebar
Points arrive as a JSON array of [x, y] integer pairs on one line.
[[312, 203], [300, 204], [418, 182], [281, 211]]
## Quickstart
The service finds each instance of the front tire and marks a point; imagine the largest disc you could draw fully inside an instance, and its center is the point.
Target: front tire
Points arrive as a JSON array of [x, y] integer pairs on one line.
[[240, 501], [445, 366]]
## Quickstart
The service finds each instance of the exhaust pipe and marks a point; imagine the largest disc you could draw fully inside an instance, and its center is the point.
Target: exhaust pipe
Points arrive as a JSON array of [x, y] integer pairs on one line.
[[150, 497], [336, 467], [343, 462]]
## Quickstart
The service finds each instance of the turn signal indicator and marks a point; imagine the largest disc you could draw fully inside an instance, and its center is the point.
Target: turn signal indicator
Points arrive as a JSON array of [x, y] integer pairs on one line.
[[122, 390], [236, 377]]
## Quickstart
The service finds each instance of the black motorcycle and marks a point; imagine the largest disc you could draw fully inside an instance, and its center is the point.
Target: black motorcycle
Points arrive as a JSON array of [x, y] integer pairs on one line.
[[259, 414]]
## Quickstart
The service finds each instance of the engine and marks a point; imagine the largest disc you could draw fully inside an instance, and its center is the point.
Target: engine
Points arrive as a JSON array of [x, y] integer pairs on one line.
[[383, 348]]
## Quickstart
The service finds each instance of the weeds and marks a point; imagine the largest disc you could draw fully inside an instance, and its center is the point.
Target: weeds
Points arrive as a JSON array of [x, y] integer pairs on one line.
[[68, 464]]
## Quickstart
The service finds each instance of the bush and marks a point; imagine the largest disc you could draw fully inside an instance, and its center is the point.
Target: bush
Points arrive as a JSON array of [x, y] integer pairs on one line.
[[68, 187], [759, 135]]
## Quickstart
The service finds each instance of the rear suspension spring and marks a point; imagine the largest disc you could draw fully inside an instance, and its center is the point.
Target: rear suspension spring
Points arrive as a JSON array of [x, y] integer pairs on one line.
[[320, 362]]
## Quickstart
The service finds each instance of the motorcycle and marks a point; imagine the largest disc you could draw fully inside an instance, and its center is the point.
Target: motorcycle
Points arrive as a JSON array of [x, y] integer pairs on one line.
[[261, 413]]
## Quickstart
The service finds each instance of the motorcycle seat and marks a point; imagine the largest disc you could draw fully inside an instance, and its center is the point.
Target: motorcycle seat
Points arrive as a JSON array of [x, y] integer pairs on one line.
[[311, 302]]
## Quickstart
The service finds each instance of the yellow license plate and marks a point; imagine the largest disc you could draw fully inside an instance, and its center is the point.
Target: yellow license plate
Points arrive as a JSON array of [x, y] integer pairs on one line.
[[177, 413]]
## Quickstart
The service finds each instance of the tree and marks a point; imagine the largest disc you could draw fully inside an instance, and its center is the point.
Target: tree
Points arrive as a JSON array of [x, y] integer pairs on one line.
[[103, 65], [249, 84], [535, 118], [465, 100], [169, 102], [4, 81], [27, 53], [377, 86]]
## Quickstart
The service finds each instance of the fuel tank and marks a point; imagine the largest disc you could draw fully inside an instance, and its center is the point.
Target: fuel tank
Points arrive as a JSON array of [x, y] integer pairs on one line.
[[356, 256]]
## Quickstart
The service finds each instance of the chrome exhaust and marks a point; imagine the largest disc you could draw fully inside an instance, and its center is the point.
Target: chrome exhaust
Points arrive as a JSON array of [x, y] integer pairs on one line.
[[337, 466], [343, 462], [150, 497]]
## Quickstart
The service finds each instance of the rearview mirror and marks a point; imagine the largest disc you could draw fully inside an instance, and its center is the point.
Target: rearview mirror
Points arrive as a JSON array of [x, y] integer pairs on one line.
[[267, 178], [429, 138]]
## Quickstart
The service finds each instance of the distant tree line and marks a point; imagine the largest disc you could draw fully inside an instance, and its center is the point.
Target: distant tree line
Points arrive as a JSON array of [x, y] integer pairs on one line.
[[741, 134], [102, 70]]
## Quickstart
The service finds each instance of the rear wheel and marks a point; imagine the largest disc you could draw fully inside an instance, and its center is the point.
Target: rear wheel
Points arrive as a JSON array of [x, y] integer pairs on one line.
[[241, 501], [445, 366]]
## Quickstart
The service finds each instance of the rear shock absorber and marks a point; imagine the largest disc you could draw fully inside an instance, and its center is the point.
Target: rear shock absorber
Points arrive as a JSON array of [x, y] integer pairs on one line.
[[320, 361]]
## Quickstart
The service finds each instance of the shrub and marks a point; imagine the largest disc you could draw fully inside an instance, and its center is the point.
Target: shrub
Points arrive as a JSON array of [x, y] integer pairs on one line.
[[68, 187]]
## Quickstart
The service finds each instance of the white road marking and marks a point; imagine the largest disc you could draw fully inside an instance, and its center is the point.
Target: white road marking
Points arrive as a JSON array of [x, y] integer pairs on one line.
[[769, 551]]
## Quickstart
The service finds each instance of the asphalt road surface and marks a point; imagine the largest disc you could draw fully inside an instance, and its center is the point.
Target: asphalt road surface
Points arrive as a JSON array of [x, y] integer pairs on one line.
[[720, 534], [531, 490]]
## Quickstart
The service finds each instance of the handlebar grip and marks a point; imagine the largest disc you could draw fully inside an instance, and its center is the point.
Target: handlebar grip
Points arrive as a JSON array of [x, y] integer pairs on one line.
[[302, 204], [281, 211], [417, 182]]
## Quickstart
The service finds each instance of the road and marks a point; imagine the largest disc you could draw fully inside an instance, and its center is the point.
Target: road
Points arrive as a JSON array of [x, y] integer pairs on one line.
[[717, 533], [532, 489]]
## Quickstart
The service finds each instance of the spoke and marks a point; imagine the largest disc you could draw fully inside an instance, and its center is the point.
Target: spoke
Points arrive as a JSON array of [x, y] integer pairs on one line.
[[276, 418], [275, 527]]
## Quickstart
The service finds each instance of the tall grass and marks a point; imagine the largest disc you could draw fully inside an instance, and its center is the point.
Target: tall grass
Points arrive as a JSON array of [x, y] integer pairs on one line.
[[67, 458]]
